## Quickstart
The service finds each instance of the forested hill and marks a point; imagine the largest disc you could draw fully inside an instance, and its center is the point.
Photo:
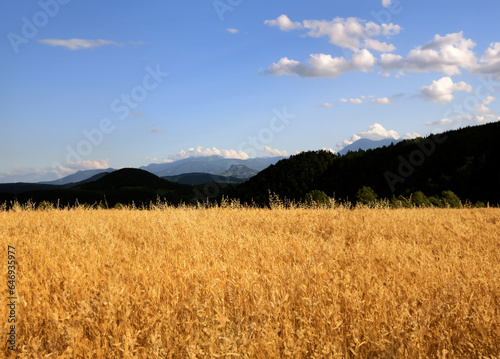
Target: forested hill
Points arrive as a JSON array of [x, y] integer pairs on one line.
[[465, 161]]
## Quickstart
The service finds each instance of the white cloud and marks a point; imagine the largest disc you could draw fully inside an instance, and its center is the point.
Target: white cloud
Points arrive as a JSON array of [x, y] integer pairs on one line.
[[379, 46], [84, 165], [205, 152], [482, 109], [233, 31], [329, 149], [345, 143], [274, 151], [447, 54], [410, 135], [27, 174], [354, 101], [482, 114], [442, 122], [351, 33], [284, 23], [328, 105], [386, 3], [468, 119], [441, 91], [381, 101], [78, 44], [492, 54], [490, 61], [375, 132], [321, 65]]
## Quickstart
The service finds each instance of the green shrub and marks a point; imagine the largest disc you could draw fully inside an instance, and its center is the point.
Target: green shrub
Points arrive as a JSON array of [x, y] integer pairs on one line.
[[451, 200], [366, 195], [436, 202], [419, 199], [317, 197], [43, 206]]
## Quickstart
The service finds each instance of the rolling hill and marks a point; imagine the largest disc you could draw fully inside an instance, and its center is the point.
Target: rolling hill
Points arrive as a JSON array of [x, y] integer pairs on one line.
[[125, 186]]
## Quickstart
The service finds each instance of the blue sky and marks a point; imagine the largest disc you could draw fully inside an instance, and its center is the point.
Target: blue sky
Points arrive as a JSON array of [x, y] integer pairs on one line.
[[97, 84]]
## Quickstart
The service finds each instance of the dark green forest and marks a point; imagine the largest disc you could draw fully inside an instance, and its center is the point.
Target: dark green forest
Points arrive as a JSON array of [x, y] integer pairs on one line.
[[465, 161]]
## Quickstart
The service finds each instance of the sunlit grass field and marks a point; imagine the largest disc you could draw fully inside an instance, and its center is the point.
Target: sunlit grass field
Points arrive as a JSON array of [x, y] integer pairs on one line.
[[254, 283]]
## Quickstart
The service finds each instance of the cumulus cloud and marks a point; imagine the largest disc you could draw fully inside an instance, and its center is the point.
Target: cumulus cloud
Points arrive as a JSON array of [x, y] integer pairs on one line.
[[274, 151], [322, 65], [351, 33], [205, 152], [381, 101], [354, 101], [284, 23], [490, 61], [410, 135], [329, 149], [379, 46], [328, 105], [386, 3], [375, 132], [233, 31], [482, 114], [447, 54], [482, 109], [441, 91], [78, 44]]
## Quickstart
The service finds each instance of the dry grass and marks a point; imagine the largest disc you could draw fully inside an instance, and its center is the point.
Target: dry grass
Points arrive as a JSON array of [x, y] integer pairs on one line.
[[256, 283]]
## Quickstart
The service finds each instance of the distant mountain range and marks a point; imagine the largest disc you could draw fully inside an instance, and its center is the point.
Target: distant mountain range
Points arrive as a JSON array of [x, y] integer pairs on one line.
[[210, 164], [366, 144], [79, 176], [234, 174], [65, 183]]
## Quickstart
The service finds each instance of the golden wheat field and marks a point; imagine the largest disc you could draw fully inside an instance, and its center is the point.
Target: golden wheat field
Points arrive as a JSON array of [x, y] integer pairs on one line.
[[254, 283]]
